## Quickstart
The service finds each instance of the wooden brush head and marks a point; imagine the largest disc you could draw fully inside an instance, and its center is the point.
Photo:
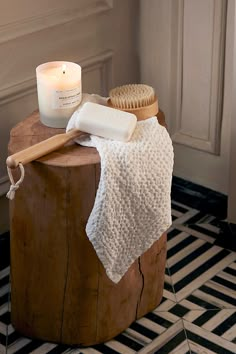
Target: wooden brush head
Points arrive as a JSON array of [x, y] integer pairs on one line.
[[139, 99]]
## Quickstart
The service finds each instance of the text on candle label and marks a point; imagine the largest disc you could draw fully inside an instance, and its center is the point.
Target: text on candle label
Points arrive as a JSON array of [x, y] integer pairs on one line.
[[66, 98]]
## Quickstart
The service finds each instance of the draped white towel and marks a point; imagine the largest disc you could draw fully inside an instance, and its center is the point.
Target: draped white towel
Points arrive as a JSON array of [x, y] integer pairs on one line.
[[132, 208]]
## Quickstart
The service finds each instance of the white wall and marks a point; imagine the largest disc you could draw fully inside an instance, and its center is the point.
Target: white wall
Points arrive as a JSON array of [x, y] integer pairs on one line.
[[99, 35], [155, 49], [185, 55], [232, 158]]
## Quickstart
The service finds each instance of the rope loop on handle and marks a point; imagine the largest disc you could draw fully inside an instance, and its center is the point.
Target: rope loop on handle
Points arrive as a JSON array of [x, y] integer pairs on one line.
[[15, 185]]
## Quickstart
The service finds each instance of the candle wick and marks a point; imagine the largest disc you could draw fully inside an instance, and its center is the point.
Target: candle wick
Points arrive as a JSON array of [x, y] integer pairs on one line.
[[63, 69]]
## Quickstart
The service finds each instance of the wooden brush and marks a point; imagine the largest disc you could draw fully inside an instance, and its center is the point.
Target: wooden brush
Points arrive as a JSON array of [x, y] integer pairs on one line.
[[138, 99], [92, 118]]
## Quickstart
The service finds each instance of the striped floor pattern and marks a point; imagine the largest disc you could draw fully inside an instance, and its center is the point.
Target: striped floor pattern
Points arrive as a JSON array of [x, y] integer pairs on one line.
[[198, 310]]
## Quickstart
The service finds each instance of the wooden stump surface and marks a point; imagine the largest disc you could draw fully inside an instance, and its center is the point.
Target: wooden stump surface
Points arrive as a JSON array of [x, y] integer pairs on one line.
[[60, 291]]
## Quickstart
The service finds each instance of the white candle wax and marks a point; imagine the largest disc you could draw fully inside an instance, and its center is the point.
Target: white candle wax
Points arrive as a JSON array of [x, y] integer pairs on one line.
[[59, 92]]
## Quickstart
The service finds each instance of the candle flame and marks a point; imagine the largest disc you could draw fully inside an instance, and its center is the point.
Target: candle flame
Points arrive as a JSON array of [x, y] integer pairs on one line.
[[64, 68]]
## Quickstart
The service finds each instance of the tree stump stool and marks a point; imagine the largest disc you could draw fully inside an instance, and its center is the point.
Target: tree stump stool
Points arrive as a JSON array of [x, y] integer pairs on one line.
[[60, 291]]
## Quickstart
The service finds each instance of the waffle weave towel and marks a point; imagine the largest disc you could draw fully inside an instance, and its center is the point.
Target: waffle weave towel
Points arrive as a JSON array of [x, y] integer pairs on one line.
[[132, 208]]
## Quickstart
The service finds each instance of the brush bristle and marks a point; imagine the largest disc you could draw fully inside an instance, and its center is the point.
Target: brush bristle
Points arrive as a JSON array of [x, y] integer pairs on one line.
[[132, 96]]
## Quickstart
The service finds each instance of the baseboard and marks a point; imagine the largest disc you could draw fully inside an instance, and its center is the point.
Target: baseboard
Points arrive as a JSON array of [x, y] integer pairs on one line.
[[4, 185], [4, 250], [4, 212]]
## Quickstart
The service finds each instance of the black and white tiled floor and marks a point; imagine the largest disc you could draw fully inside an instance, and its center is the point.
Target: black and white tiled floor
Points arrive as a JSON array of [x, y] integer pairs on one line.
[[198, 310]]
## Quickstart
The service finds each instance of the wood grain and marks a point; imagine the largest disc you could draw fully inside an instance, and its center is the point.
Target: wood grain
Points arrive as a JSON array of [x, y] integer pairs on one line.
[[60, 291]]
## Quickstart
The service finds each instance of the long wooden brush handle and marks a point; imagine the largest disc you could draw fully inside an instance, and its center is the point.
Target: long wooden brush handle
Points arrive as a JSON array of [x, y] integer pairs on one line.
[[43, 148]]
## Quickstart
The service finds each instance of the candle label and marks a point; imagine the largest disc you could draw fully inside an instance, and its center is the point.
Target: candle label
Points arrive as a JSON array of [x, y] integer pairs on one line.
[[66, 98]]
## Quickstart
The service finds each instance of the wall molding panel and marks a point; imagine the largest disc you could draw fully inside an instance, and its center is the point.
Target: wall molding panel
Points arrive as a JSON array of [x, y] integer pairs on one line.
[[53, 18], [101, 62], [17, 90], [199, 42]]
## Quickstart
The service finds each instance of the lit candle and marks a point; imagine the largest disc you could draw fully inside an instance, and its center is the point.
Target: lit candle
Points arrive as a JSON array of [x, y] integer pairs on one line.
[[59, 92]]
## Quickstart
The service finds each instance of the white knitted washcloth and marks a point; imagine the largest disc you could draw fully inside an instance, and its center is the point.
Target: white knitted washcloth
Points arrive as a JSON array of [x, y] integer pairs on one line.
[[132, 208]]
